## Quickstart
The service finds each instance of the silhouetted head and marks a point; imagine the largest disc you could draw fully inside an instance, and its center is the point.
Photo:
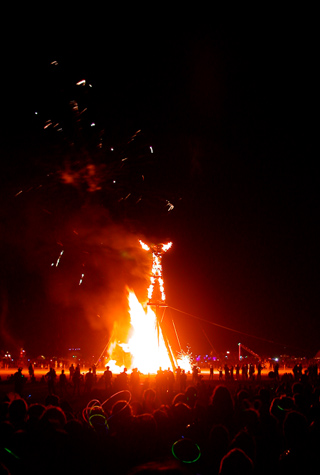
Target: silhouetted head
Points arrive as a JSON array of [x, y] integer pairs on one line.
[[18, 409], [55, 416], [236, 462], [295, 429]]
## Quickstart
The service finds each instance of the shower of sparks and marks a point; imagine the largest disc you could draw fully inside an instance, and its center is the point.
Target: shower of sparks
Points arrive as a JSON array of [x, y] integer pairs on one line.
[[184, 360], [125, 167]]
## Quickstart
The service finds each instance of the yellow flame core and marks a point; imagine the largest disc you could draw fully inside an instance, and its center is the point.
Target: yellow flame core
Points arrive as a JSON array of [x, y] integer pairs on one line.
[[144, 246], [165, 247], [148, 352], [146, 347]]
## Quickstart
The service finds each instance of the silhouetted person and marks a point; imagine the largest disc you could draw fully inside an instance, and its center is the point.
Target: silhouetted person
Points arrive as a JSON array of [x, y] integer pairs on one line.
[[122, 380], [17, 412], [18, 381], [135, 383], [31, 373], [88, 382], [94, 372], [237, 372], [51, 379], [149, 401], [244, 371], [63, 383], [211, 372], [178, 376], [107, 377], [183, 381], [259, 370], [195, 374], [76, 380], [170, 383], [226, 372], [71, 372], [221, 407], [251, 371]]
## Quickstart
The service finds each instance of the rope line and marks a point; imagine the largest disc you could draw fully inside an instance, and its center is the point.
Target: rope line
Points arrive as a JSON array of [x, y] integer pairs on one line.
[[235, 331]]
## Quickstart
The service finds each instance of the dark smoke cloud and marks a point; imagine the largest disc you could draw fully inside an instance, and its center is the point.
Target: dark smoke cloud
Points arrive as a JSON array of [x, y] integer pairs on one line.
[[68, 254]]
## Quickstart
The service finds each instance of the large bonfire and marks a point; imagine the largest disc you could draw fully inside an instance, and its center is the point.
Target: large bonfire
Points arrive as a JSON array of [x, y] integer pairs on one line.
[[147, 348]]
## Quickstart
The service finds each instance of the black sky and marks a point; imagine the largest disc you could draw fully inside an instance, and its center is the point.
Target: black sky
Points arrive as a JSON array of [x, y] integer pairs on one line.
[[227, 108]]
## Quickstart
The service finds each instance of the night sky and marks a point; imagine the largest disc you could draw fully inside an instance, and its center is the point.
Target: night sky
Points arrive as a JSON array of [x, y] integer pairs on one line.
[[211, 127]]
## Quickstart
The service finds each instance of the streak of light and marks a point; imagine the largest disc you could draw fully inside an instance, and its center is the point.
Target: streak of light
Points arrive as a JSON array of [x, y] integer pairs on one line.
[[176, 334], [151, 149], [92, 124], [134, 135], [81, 279], [19, 193], [81, 83], [59, 258], [54, 63]]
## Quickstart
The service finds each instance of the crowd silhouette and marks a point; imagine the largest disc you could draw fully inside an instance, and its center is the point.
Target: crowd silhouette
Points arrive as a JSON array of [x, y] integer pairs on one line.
[[129, 424]]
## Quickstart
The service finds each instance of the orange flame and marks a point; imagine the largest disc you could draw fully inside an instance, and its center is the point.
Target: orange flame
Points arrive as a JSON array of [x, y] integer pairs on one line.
[[148, 353], [147, 350]]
